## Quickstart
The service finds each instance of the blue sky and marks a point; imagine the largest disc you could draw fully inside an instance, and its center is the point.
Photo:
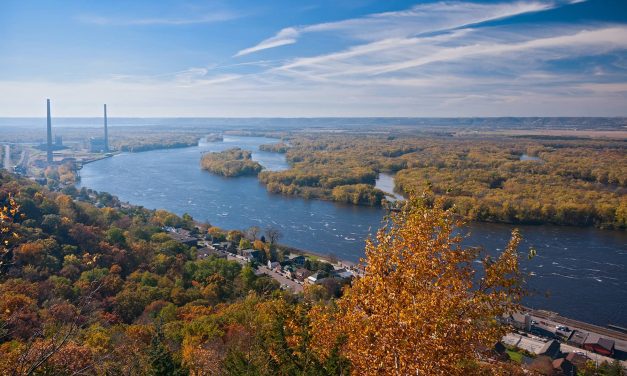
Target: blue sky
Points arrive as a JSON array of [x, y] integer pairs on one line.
[[314, 58]]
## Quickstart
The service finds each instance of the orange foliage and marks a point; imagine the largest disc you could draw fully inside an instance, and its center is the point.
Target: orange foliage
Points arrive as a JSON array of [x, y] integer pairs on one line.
[[419, 308]]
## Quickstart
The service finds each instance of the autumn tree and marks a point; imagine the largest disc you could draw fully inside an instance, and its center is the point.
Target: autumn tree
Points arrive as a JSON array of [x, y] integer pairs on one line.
[[9, 212], [422, 307], [273, 234], [161, 361], [252, 232]]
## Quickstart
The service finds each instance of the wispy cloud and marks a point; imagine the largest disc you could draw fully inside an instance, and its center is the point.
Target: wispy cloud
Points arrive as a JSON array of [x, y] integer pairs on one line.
[[424, 18], [212, 17], [587, 42], [436, 59], [284, 37]]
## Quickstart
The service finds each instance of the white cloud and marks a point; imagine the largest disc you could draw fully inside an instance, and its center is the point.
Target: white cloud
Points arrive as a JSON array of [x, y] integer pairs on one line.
[[594, 41], [431, 60], [212, 17], [424, 18], [283, 37]]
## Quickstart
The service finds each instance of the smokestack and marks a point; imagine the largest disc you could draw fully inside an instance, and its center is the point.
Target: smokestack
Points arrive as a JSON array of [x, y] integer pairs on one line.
[[49, 144], [106, 131]]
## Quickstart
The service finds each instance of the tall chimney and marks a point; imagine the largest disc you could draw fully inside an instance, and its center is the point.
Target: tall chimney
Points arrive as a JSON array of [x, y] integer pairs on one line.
[[106, 131], [49, 144]]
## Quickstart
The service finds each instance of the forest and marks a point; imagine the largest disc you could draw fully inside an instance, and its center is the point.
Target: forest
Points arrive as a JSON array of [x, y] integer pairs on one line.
[[230, 163], [521, 179], [279, 147], [105, 291]]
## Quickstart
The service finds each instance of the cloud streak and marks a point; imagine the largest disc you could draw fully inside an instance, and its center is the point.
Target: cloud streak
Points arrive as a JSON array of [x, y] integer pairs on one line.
[[424, 18], [213, 17], [436, 59], [284, 37]]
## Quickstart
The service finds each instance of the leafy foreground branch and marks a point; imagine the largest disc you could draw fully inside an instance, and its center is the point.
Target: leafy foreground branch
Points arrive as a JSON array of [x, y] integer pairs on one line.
[[420, 308]]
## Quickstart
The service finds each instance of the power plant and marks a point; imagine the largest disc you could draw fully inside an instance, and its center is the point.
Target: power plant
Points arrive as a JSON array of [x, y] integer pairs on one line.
[[101, 145], [106, 131], [96, 144], [49, 141]]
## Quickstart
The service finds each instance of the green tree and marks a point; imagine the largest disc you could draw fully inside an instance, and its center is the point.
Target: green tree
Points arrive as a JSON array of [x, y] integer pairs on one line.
[[161, 361]]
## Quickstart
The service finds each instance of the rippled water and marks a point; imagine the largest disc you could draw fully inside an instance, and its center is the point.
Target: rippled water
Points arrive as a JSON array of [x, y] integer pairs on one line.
[[582, 270]]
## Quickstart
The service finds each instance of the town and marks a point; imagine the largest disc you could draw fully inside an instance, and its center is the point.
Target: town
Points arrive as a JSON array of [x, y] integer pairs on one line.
[[540, 340], [295, 269]]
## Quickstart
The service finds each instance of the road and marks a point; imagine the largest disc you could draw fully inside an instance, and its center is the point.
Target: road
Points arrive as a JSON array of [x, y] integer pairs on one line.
[[534, 345], [283, 280], [547, 320], [7, 157]]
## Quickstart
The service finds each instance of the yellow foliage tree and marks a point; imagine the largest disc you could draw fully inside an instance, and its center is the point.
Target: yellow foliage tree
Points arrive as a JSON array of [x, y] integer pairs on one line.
[[9, 211], [421, 307]]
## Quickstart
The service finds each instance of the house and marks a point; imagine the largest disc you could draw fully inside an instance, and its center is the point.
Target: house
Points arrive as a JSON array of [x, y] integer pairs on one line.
[[543, 330], [550, 349], [314, 279], [297, 259], [225, 246], [288, 270], [520, 321], [205, 252], [273, 265], [563, 367], [577, 359], [184, 238], [343, 274], [577, 338], [301, 274], [599, 345], [251, 254]]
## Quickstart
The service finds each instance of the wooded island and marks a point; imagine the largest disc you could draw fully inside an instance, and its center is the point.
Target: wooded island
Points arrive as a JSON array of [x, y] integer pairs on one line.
[[230, 163]]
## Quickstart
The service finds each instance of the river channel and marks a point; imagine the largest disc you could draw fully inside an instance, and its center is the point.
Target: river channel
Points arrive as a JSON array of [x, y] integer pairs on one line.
[[579, 272]]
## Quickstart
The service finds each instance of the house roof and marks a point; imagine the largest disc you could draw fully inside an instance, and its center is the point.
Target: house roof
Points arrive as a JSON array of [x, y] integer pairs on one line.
[[576, 358], [551, 348], [562, 364], [345, 274], [207, 251], [518, 317], [182, 238], [578, 337], [595, 339]]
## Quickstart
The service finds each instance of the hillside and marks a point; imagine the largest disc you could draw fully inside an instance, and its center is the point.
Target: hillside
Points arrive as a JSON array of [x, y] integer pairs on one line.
[[105, 290]]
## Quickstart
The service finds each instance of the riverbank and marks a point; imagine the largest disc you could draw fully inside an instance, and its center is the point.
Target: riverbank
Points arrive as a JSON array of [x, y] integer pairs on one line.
[[576, 269]]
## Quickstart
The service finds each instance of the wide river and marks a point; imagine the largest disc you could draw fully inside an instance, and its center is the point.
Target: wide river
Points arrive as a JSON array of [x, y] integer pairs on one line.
[[578, 272]]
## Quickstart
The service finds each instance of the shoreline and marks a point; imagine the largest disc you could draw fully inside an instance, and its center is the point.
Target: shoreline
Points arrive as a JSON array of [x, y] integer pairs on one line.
[[390, 197], [318, 246]]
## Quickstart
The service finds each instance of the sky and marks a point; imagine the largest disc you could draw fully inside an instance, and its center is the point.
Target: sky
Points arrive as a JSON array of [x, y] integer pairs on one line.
[[236, 58]]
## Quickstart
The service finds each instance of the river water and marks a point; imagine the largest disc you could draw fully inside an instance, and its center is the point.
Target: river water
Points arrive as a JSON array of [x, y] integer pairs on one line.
[[578, 272]]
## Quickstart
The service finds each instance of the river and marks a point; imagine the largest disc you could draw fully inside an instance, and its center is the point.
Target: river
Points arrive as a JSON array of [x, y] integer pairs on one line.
[[578, 272]]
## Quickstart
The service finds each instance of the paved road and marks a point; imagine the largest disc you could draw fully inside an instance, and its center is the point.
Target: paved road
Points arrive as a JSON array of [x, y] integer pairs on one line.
[[549, 320], [535, 344], [284, 281]]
